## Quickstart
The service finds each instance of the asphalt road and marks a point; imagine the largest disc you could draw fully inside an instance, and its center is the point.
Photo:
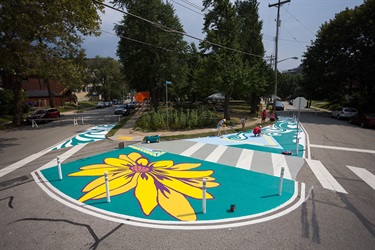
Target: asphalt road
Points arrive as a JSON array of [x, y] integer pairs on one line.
[[30, 219]]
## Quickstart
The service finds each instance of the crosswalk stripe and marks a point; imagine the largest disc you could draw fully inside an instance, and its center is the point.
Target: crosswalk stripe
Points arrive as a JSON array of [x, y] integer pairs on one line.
[[193, 149], [217, 153], [279, 161], [324, 177], [64, 156], [244, 161], [365, 175]]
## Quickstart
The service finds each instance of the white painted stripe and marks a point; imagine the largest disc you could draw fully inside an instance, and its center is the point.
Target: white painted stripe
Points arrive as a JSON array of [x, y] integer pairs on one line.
[[193, 149], [80, 207], [244, 161], [324, 177], [217, 153], [21, 163], [307, 145], [63, 157], [345, 149], [278, 161], [365, 175]]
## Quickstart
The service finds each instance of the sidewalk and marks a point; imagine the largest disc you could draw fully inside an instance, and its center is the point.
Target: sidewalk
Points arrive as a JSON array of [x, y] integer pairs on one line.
[[126, 133]]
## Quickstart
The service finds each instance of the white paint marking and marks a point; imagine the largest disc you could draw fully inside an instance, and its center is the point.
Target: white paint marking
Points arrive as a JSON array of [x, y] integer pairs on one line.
[[196, 225], [278, 161], [217, 153], [307, 146], [193, 149], [365, 175], [64, 156], [345, 149], [245, 159], [324, 177]]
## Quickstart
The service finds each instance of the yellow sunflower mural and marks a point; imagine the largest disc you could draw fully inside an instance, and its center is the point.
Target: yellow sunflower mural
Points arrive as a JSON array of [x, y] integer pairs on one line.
[[160, 183]]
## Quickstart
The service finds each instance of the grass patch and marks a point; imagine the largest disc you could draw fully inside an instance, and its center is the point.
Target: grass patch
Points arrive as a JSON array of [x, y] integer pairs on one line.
[[119, 125]]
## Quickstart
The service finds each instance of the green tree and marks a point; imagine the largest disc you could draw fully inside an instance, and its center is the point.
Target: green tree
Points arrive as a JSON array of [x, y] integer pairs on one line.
[[223, 66], [255, 83], [340, 63], [44, 33], [150, 52], [105, 74]]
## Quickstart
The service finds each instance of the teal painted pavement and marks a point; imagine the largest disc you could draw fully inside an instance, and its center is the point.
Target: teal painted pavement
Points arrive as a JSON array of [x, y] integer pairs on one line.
[[281, 137], [93, 134], [251, 192]]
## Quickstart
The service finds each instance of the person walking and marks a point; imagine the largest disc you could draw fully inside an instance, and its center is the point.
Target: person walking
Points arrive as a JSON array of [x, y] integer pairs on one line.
[[220, 124], [264, 116], [272, 118], [243, 123]]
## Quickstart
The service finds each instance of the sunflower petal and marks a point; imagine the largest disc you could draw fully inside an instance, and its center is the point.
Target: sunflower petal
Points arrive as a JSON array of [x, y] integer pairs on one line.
[[183, 188], [134, 156], [132, 182], [162, 164], [94, 166], [94, 172], [115, 162], [176, 205], [199, 183], [187, 174], [93, 184], [186, 166], [101, 189], [146, 193]]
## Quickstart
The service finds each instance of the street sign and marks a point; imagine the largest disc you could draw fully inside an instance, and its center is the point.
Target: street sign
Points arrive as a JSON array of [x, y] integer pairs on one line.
[[300, 103]]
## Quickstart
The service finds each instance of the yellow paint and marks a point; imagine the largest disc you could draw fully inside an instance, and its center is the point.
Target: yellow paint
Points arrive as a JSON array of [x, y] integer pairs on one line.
[[269, 140], [124, 138]]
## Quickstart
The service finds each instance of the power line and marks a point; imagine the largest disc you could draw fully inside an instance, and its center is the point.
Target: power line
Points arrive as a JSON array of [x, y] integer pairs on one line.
[[192, 4], [167, 29], [187, 8]]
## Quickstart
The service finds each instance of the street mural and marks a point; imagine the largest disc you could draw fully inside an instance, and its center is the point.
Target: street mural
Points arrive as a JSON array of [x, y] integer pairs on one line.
[[167, 187], [281, 137], [93, 134]]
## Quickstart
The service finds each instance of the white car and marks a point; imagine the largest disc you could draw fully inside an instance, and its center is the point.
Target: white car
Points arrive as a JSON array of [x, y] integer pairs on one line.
[[343, 112]]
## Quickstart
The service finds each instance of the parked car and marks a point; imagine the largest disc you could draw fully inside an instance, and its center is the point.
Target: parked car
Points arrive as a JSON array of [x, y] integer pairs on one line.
[[132, 105], [343, 113], [43, 115], [279, 106], [100, 105], [363, 120], [122, 110]]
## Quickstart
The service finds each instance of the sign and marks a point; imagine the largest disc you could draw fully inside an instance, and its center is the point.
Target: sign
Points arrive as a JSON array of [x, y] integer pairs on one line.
[[300, 103], [168, 82], [141, 96]]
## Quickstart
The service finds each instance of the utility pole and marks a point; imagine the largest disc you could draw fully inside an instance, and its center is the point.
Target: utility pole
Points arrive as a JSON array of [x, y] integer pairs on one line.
[[278, 4]]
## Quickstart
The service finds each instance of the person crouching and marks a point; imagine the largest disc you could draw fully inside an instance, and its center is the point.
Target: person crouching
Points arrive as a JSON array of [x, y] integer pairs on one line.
[[257, 131]]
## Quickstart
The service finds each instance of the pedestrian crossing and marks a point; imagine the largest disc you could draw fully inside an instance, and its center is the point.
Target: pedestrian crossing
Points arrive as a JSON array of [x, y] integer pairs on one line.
[[257, 161]]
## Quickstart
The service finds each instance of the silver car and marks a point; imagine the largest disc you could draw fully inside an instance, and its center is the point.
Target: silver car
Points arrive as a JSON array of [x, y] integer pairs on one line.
[[343, 112]]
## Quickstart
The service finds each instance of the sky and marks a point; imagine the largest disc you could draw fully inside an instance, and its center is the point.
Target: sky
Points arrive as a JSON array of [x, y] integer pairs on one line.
[[300, 22]]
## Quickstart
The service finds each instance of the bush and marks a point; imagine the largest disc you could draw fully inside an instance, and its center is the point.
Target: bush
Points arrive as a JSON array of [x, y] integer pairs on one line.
[[177, 119]]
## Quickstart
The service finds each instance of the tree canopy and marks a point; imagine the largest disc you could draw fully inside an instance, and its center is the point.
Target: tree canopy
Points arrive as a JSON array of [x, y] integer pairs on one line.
[[339, 65], [150, 52], [44, 37]]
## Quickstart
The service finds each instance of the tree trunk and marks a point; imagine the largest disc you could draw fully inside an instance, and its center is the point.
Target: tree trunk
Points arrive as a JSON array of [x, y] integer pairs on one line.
[[51, 101], [18, 100]]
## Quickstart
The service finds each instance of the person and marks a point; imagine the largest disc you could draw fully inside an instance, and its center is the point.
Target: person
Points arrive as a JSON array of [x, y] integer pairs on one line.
[[257, 131], [220, 124], [243, 122], [264, 116], [272, 118]]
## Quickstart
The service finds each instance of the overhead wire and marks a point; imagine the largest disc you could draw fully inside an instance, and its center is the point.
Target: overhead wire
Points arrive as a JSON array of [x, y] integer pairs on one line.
[[167, 29], [187, 8]]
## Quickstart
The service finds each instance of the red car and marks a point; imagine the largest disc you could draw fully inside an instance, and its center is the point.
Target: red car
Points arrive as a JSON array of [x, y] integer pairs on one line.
[[43, 115], [364, 120]]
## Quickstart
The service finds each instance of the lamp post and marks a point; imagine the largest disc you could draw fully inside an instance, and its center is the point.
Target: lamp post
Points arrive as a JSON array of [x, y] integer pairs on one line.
[[276, 62]]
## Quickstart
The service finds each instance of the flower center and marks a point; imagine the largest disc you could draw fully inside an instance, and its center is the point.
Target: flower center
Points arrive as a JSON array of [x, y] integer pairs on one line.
[[140, 169]]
